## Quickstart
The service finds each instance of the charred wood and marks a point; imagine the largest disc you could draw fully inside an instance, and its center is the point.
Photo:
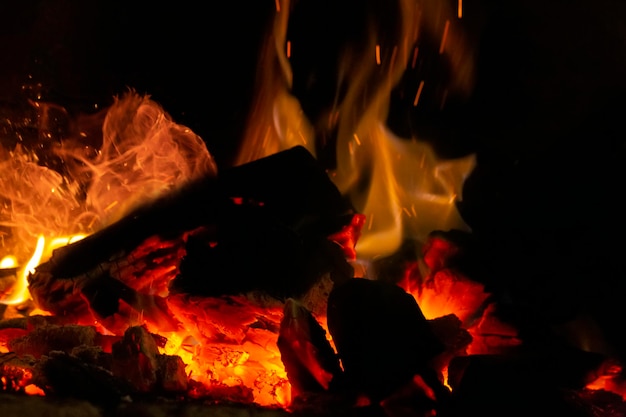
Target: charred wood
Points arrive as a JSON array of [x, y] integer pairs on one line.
[[16, 372], [278, 213], [310, 361], [61, 375], [136, 359], [290, 184], [382, 338]]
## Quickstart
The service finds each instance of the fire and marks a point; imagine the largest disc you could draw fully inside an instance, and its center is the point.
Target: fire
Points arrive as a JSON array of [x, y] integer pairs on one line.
[[143, 154], [398, 183], [401, 188]]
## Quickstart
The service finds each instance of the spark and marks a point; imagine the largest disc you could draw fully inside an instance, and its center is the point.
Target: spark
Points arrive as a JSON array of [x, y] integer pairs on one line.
[[356, 139], [406, 211], [302, 137], [288, 49], [414, 60], [377, 54], [369, 225], [444, 37], [110, 206], [277, 6], [419, 93], [460, 9]]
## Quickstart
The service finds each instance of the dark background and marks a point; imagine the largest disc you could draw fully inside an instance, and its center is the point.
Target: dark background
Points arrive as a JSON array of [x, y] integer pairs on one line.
[[545, 118]]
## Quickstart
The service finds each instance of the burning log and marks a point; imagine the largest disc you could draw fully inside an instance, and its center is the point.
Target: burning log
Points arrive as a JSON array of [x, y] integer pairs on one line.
[[278, 212]]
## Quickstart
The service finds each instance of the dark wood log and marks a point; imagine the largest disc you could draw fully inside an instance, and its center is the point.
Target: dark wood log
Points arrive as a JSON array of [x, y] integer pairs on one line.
[[290, 184]]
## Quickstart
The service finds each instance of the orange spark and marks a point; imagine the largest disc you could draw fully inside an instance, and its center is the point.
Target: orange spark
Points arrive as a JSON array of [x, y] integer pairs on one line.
[[414, 60], [377, 54], [444, 37], [419, 93], [460, 9]]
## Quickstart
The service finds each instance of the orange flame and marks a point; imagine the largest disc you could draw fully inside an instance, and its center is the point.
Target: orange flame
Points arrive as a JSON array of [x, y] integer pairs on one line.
[[410, 191], [143, 154]]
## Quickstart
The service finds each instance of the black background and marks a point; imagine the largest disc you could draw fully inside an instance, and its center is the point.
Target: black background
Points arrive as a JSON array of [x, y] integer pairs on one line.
[[545, 118]]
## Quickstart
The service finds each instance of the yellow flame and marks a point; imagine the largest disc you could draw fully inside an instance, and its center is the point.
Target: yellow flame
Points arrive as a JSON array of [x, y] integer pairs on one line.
[[8, 261], [400, 185], [19, 291], [143, 154]]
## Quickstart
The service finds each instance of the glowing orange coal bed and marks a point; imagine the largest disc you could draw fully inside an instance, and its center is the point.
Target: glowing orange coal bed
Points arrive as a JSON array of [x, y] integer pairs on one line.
[[95, 281]]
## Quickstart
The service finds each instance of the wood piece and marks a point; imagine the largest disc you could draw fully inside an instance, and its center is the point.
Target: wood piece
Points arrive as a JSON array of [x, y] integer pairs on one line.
[[381, 336], [135, 359], [311, 363], [278, 213], [61, 375]]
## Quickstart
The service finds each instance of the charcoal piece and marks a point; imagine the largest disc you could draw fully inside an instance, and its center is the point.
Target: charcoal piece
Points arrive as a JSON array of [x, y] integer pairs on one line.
[[171, 374], [16, 372], [448, 329], [135, 359], [62, 375], [310, 361], [382, 337], [42, 340]]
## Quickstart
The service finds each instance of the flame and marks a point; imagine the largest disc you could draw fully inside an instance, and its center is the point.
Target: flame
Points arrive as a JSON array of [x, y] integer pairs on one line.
[[398, 183], [141, 154], [404, 190]]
